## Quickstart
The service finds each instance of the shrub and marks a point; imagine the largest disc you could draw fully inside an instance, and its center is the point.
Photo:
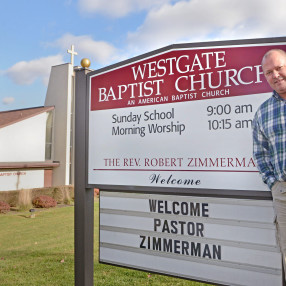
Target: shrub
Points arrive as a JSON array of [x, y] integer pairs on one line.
[[44, 202], [96, 192], [10, 197], [22, 199], [4, 207], [63, 194], [25, 199], [58, 195]]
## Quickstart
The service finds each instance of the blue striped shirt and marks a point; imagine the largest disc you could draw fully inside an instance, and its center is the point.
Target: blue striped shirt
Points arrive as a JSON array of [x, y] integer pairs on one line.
[[269, 139]]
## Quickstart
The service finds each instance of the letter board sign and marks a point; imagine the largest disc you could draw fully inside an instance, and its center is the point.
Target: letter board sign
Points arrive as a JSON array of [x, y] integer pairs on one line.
[[216, 240]]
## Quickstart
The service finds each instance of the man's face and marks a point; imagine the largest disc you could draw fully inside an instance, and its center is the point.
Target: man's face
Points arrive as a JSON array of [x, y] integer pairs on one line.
[[274, 69]]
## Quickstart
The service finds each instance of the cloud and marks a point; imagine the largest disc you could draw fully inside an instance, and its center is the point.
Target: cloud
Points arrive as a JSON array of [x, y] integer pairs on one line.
[[27, 72], [8, 100], [118, 8], [98, 51], [205, 20]]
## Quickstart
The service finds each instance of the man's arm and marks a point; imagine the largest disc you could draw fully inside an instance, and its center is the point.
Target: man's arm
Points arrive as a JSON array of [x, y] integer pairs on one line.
[[262, 155]]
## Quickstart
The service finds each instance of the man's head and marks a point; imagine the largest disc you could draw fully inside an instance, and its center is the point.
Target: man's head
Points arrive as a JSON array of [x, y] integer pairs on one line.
[[274, 69]]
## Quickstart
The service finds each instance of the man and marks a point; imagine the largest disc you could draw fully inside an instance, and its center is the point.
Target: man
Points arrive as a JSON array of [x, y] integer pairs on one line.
[[269, 139]]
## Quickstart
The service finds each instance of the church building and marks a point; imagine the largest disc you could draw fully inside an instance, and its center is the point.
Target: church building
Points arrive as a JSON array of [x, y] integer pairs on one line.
[[36, 144]]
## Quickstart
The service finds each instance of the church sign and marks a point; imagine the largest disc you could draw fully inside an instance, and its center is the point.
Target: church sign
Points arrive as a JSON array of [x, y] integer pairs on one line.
[[180, 117], [170, 148]]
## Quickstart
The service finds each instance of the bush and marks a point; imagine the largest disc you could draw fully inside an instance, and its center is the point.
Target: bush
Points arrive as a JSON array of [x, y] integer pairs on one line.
[[25, 199], [22, 199], [4, 207], [96, 192], [10, 197], [63, 194], [58, 195], [44, 202]]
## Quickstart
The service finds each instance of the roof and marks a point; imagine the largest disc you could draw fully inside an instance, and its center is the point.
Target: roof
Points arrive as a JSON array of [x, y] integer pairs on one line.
[[13, 116], [28, 165]]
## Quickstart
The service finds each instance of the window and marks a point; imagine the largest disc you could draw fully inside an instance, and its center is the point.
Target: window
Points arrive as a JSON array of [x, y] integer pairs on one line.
[[49, 135]]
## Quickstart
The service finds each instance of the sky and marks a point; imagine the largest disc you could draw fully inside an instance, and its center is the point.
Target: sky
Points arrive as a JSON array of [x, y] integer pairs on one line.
[[35, 35]]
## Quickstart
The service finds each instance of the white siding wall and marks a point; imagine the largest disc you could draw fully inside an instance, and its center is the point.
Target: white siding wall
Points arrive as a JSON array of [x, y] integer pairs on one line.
[[24, 141], [23, 179]]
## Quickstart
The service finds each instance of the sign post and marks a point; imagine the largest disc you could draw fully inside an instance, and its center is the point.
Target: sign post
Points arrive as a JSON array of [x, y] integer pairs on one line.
[[170, 147], [84, 197]]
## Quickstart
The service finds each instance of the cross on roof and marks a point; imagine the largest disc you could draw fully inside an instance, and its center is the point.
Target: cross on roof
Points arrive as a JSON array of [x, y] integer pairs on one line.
[[73, 53]]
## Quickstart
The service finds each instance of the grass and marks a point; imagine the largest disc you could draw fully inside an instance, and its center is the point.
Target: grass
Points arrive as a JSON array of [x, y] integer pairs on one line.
[[40, 251]]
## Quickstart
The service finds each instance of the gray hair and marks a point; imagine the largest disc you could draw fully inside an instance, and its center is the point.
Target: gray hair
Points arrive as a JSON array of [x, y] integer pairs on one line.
[[268, 53]]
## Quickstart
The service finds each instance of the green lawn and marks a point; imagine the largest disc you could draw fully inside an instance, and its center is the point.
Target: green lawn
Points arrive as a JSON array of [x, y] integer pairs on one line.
[[40, 251]]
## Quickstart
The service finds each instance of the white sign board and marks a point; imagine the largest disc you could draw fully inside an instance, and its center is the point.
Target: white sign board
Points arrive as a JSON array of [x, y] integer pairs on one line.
[[216, 240], [180, 119]]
